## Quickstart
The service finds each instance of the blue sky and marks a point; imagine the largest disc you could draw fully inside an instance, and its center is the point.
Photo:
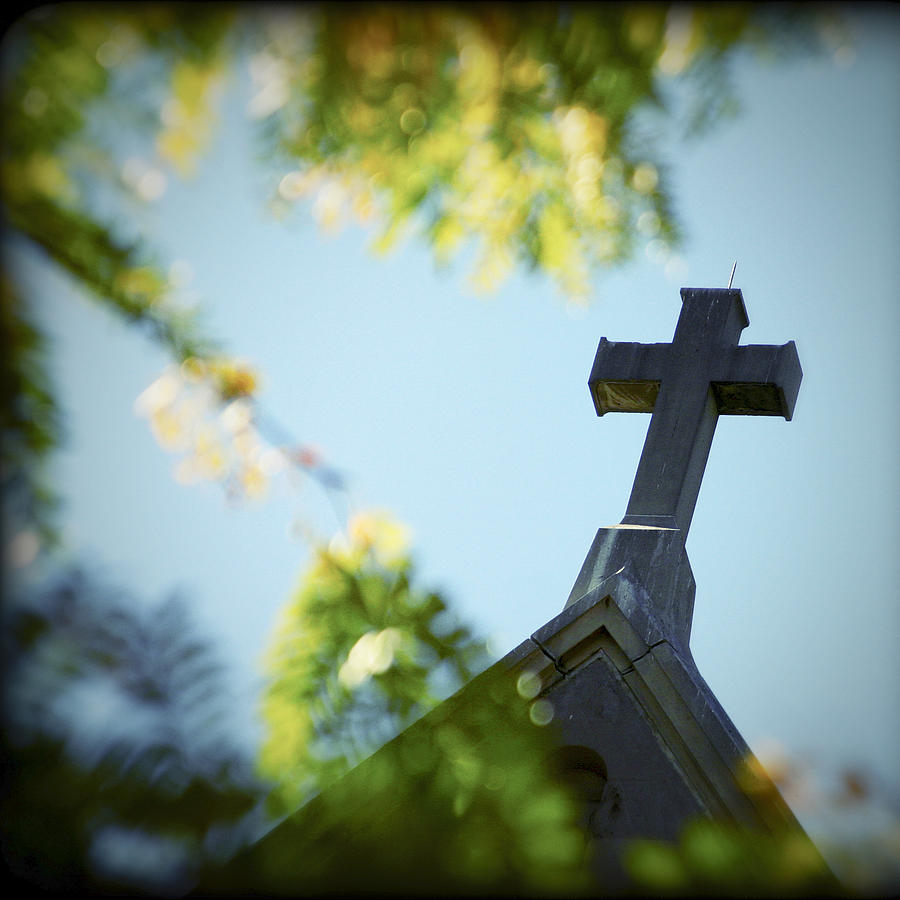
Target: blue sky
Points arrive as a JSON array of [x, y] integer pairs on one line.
[[470, 418]]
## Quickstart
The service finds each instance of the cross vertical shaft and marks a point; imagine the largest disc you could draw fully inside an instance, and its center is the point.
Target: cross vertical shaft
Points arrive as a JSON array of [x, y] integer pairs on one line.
[[685, 413]]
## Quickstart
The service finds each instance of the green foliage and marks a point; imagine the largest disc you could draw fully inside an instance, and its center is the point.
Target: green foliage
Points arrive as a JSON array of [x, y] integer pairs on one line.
[[69, 90], [464, 802], [118, 772], [71, 81], [515, 126], [360, 653], [30, 425], [716, 859]]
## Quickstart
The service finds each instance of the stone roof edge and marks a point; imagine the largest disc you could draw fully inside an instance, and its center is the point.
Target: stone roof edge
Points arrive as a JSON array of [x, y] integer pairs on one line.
[[664, 680]]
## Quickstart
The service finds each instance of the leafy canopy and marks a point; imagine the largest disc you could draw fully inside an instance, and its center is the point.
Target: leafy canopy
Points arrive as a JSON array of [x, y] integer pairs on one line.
[[360, 653], [513, 128], [119, 770]]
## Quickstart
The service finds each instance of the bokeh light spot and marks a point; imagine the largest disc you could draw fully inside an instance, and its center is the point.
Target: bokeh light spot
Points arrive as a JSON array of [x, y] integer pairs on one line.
[[528, 685], [645, 178], [413, 120], [541, 712]]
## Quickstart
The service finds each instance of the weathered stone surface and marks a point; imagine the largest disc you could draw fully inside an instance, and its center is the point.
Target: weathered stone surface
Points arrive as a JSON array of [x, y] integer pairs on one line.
[[642, 793], [666, 687], [655, 566], [634, 707]]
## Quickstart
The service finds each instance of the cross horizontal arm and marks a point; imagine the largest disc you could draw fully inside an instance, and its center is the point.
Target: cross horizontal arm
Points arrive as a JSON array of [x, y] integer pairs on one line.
[[754, 380], [758, 380], [687, 385], [625, 376]]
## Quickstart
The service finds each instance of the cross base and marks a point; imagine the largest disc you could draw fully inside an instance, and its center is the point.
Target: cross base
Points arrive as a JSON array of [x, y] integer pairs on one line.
[[660, 602]]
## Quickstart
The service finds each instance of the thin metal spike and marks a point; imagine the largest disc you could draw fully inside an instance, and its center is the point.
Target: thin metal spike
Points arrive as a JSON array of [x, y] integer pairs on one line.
[[732, 274]]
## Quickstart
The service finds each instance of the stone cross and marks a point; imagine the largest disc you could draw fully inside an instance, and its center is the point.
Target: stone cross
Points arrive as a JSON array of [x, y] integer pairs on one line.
[[686, 385]]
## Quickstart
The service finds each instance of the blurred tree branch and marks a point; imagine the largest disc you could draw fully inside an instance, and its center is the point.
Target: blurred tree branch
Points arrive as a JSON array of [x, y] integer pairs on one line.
[[115, 736]]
